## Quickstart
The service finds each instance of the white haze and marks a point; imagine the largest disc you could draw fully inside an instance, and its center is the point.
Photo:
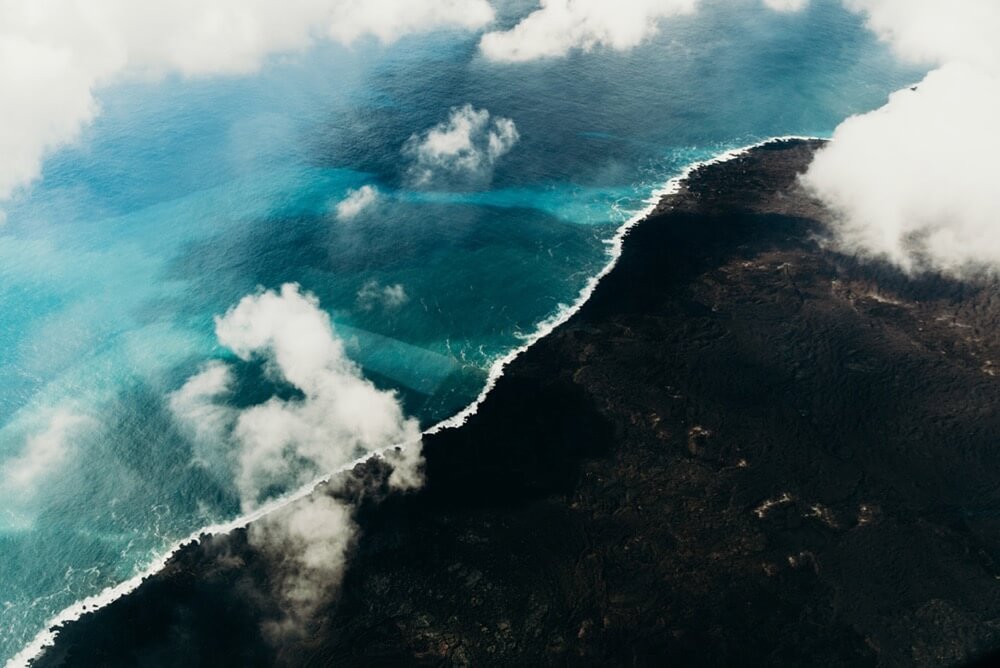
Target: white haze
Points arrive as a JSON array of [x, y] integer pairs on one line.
[[206, 419], [56, 54], [388, 297], [309, 540], [42, 453]]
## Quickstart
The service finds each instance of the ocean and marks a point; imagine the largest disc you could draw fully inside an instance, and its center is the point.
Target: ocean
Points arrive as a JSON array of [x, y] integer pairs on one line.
[[186, 195]]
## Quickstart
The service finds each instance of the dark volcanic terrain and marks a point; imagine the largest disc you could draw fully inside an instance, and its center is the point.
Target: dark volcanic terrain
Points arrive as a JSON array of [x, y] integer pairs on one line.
[[744, 450]]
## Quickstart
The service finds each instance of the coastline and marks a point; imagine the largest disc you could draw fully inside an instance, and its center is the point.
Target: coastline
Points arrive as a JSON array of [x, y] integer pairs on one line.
[[615, 243], [47, 637], [743, 449]]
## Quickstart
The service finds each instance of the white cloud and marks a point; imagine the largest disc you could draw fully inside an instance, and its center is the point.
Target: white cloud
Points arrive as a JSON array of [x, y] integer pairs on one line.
[[387, 19], [786, 5], [341, 414], [356, 202], [283, 443], [193, 401], [465, 147], [937, 31], [310, 539], [914, 181], [208, 422], [43, 452], [561, 26], [407, 467], [54, 55], [389, 297]]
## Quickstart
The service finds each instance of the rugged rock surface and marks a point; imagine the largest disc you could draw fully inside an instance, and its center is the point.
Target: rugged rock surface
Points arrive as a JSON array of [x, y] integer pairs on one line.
[[744, 450]]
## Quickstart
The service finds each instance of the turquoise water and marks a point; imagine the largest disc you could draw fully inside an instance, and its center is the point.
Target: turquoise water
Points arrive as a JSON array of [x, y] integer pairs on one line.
[[184, 196]]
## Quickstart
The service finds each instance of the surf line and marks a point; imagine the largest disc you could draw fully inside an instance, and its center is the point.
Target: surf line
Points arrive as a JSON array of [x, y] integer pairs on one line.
[[46, 637], [615, 244]]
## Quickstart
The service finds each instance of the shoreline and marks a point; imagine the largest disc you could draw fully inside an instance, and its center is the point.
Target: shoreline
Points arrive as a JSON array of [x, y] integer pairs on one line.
[[46, 638], [745, 448], [615, 243]]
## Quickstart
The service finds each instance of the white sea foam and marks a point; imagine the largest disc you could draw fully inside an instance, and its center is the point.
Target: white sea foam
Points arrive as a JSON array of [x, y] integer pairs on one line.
[[562, 313]]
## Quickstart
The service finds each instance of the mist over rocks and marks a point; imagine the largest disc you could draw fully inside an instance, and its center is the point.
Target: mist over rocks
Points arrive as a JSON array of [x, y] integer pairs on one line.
[[745, 449]]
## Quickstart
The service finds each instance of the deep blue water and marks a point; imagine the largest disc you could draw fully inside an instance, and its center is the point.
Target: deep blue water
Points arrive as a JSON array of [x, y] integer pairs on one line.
[[185, 196]]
